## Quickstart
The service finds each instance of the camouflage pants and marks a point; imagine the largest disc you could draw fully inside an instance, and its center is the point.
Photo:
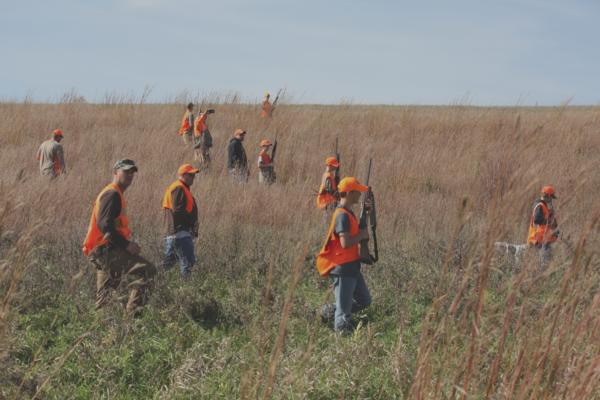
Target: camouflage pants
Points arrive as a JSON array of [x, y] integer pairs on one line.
[[111, 265]]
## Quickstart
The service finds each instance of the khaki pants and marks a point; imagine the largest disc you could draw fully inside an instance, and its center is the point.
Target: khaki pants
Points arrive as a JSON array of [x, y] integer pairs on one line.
[[111, 265], [188, 138]]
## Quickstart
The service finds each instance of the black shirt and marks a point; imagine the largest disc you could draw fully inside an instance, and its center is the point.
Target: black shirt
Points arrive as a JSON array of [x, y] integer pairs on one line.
[[109, 210], [236, 155]]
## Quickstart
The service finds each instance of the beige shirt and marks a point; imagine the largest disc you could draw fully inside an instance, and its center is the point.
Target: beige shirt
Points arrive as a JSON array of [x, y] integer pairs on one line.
[[51, 158]]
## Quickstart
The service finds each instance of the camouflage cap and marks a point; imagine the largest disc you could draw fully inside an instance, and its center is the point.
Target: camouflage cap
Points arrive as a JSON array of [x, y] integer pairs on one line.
[[126, 165]]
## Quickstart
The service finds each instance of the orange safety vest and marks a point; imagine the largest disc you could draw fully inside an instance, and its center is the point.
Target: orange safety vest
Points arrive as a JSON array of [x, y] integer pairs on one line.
[[95, 237], [200, 125], [541, 234], [266, 160], [266, 109], [168, 199], [56, 165], [325, 198], [332, 253], [185, 123]]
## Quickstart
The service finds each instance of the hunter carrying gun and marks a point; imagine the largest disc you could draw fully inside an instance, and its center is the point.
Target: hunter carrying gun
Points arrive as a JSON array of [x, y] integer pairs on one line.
[[342, 255], [265, 162], [328, 196], [202, 138]]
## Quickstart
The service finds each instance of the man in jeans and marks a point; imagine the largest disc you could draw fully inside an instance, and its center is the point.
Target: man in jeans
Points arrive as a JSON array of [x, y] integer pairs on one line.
[[110, 248], [339, 258], [181, 221]]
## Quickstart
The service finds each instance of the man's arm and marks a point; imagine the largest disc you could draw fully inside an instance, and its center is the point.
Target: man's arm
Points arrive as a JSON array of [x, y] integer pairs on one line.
[[231, 155], [342, 229], [61, 159], [108, 211]]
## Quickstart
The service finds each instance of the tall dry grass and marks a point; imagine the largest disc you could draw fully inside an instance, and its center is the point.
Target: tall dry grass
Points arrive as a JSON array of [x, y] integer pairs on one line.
[[450, 181]]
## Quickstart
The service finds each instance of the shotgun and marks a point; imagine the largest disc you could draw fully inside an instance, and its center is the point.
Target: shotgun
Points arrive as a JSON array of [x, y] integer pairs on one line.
[[368, 213]]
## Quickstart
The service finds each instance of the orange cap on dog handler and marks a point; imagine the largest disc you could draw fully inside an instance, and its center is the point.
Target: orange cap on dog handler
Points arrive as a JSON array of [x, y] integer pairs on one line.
[[57, 132]]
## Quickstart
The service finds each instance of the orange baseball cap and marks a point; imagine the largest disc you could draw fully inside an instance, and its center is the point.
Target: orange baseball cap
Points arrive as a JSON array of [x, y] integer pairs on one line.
[[187, 169], [265, 142], [57, 132], [239, 131], [332, 162], [351, 184], [549, 191]]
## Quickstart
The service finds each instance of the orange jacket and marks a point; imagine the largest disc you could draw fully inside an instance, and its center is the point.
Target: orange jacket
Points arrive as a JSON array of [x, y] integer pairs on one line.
[[185, 123], [324, 198], [95, 237], [200, 125], [168, 199], [543, 233], [332, 253], [266, 109]]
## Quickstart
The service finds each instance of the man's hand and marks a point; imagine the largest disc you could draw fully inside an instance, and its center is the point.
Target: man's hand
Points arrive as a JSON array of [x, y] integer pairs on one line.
[[133, 248]]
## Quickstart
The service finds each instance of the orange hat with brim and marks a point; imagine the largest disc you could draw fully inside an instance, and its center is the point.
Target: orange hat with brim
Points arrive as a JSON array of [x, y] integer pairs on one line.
[[332, 162], [187, 169], [549, 191], [57, 132], [351, 184], [239, 132], [265, 142]]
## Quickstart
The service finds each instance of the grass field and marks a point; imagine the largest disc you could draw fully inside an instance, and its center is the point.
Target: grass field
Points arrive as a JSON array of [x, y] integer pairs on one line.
[[449, 319]]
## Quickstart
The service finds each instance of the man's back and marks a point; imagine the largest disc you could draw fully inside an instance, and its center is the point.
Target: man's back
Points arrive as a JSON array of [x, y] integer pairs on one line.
[[236, 155], [50, 156]]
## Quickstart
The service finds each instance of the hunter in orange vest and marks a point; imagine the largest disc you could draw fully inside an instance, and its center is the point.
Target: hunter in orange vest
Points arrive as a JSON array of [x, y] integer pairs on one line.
[[267, 107], [265, 164], [187, 125], [543, 225], [327, 197], [109, 246], [202, 138], [181, 221], [339, 258]]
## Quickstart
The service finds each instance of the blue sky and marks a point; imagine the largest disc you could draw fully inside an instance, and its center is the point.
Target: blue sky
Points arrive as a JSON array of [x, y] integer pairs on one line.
[[501, 52]]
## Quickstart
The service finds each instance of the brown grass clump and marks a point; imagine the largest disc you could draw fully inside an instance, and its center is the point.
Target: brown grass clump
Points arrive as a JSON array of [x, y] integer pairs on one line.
[[450, 318]]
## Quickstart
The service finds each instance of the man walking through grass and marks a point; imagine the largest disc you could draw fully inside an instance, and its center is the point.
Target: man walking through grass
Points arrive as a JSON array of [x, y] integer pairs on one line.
[[187, 125], [181, 221], [327, 197], [237, 162], [266, 168], [109, 246], [202, 138], [51, 156], [339, 258], [543, 227]]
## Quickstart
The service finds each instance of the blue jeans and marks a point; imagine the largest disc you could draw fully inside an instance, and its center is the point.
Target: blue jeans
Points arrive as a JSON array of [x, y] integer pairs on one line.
[[181, 250], [351, 295]]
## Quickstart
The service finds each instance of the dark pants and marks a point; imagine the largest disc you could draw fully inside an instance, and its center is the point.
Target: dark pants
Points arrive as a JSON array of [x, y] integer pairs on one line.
[[111, 265]]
